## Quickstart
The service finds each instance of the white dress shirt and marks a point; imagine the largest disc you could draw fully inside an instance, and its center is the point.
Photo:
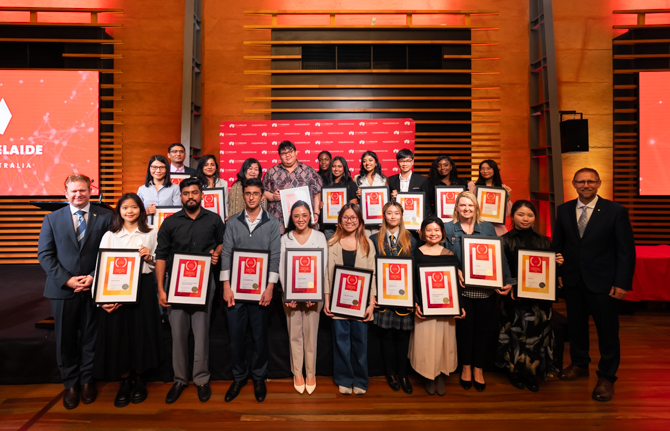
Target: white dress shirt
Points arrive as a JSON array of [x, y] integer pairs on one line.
[[404, 183], [589, 209], [133, 241], [377, 181], [75, 217]]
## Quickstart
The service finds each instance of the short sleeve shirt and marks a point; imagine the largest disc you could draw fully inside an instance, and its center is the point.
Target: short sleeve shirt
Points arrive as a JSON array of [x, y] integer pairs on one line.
[[278, 178]]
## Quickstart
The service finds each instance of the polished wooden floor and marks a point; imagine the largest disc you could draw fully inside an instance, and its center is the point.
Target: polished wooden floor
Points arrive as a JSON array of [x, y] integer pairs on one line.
[[642, 401]]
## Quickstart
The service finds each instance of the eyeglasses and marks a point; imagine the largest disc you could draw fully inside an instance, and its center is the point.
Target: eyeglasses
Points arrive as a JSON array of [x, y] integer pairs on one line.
[[405, 161], [157, 168], [589, 182], [286, 153], [350, 219], [177, 152], [301, 216], [254, 194]]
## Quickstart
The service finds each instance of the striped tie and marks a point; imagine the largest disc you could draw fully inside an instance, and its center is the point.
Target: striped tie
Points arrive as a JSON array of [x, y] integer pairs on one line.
[[81, 225], [583, 221]]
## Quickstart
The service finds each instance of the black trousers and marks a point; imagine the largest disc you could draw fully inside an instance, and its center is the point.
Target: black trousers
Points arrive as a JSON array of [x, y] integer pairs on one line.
[[582, 303], [474, 333], [74, 354], [256, 317], [395, 346]]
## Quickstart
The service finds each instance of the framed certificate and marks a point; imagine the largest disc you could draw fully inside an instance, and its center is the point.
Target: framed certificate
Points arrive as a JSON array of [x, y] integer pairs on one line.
[[333, 198], [291, 196], [395, 276], [482, 262], [373, 200], [117, 278], [492, 204], [177, 178], [162, 213], [304, 271], [445, 201], [439, 290], [536, 275], [214, 200], [189, 278], [249, 274], [413, 205], [350, 291]]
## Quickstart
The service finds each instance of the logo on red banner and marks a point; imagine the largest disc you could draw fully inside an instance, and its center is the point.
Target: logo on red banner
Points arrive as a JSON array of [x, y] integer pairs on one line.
[[176, 181], [395, 272], [305, 264], [482, 252], [190, 268], [409, 204], [250, 264], [209, 201], [351, 283], [438, 280], [120, 265]]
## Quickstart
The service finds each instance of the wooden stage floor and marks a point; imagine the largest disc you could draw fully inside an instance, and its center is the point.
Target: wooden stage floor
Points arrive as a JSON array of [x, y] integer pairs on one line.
[[641, 402]]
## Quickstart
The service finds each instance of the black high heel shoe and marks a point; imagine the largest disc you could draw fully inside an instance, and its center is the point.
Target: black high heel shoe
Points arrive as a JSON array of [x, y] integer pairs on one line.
[[465, 384], [479, 386]]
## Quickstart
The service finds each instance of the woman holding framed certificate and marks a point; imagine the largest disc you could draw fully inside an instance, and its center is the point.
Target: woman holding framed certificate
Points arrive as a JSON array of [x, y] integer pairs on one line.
[[158, 190], [340, 178], [479, 303], [208, 174], [526, 340], [443, 172], [350, 247], [251, 168], [432, 349], [130, 335], [302, 318], [489, 176], [396, 324]]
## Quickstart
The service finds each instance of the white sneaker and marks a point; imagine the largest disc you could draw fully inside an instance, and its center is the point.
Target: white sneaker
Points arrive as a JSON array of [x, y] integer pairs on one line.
[[345, 390], [359, 391]]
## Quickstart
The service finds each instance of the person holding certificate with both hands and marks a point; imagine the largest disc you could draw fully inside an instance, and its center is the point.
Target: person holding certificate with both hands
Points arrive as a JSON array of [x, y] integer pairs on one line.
[[474, 332], [489, 176], [129, 335], [350, 247], [302, 318]]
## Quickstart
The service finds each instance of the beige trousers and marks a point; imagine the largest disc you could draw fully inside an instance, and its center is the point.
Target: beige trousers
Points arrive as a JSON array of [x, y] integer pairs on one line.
[[303, 328]]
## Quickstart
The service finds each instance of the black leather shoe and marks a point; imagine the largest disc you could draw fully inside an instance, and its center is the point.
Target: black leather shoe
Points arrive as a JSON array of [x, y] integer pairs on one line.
[[406, 385], [260, 391], [515, 380], [139, 391], [174, 392], [88, 393], [393, 382], [531, 383], [479, 386], [204, 392], [234, 390], [465, 384], [71, 398], [123, 396]]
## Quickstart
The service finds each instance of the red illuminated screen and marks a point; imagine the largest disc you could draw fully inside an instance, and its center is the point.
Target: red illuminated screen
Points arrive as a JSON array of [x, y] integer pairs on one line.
[[48, 130], [654, 133]]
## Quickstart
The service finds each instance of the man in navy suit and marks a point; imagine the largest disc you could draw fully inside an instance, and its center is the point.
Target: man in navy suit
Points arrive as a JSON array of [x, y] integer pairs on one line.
[[68, 251], [177, 154], [408, 181], [596, 239]]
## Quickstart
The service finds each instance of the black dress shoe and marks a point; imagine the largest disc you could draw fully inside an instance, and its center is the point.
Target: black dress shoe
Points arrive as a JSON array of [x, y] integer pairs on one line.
[[204, 392], [465, 384], [174, 392], [393, 382], [234, 390], [479, 386], [515, 380], [531, 383], [260, 391], [71, 398], [88, 393], [123, 396], [139, 391], [406, 385]]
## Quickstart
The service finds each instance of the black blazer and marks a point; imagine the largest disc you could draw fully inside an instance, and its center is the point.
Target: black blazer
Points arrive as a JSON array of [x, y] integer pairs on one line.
[[190, 171], [417, 183], [605, 255], [59, 253]]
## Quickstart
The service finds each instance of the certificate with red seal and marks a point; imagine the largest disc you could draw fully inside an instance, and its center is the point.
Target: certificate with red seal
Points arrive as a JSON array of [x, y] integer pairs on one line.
[[303, 269], [373, 200], [439, 290], [413, 205], [290, 197], [249, 274], [214, 200], [163, 212], [395, 287], [189, 278], [350, 291], [177, 178], [536, 277], [482, 262], [333, 198], [117, 276], [492, 204], [445, 201]]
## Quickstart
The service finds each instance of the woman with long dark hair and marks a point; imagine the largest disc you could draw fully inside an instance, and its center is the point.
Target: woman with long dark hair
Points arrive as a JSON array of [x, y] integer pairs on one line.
[[251, 168], [489, 176], [324, 159], [129, 337], [158, 190], [341, 177], [208, 174], [443, 172], [370, 174]]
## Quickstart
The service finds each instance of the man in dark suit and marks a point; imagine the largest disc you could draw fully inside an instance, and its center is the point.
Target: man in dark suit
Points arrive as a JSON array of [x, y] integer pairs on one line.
[[408, 181], [68, 251], [177, 154], [596, 239]]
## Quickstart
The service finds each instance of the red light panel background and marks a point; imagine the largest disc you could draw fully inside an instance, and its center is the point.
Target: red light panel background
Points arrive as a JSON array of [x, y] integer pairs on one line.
[[654, 133], [57, 110]]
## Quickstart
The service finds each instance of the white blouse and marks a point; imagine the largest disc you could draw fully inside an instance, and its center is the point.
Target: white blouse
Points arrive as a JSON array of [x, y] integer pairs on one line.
[[316, 240], [377, 181], [125, 239]]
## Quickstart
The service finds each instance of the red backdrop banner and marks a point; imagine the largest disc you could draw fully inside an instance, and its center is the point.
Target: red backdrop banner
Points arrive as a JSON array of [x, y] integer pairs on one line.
[[241, 140]]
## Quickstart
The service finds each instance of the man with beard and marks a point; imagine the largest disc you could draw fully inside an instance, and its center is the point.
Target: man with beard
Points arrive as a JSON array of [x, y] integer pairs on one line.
[[196, 230]]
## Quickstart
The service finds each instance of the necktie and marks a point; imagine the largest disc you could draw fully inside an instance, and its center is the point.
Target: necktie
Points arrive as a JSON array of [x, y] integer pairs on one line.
[[81, 225], [581, 224], [392, 238]]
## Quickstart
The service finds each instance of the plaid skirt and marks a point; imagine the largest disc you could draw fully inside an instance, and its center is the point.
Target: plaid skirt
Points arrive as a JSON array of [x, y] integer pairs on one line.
[[388, 318]]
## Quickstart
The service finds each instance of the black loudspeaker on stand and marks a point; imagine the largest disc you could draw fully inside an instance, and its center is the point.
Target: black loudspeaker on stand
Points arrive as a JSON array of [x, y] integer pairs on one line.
[[574, 133]]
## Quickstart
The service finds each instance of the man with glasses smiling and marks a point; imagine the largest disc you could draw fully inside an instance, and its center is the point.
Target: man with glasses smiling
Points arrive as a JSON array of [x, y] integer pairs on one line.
[[596, 239], [408, 181], [177, 154]]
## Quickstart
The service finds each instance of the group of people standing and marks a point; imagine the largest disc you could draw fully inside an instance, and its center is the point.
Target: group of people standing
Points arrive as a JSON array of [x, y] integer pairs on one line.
[[122, 341]]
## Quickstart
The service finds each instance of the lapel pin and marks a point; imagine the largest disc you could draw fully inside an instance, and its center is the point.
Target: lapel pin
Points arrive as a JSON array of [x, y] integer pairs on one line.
[[95, 215]]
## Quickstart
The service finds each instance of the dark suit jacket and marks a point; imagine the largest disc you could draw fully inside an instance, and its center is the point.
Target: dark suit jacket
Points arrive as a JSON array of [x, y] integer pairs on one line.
[[417, 183], [605, 255], [59, 253], [189, 171]]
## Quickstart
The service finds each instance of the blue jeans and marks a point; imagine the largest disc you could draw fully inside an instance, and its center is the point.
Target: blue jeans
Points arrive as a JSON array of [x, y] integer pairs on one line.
[[350, 346]]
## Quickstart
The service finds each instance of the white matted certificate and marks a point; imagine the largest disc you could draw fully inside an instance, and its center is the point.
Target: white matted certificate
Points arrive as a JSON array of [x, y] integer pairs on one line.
[[439, 290], [445, 201], [492, 204], [350, 291], [333, 198], [413, 205], [117, 278], [373, 200], [395, 276], [291, 196], [304, 271], [536, 275], [482, 261], [163, 212], [214, 200], [189, 278], [249, 274]]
